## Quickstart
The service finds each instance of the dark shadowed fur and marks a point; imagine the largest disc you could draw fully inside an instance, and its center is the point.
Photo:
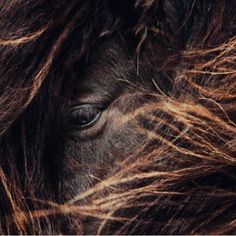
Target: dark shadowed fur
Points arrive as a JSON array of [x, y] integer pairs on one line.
[[117, 117]]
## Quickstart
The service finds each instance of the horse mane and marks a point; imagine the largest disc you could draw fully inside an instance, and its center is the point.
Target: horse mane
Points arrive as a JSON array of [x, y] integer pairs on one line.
[[185, 183]]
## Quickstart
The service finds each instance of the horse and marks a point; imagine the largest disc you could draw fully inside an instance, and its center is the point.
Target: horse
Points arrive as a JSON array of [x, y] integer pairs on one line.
[[117, 117]]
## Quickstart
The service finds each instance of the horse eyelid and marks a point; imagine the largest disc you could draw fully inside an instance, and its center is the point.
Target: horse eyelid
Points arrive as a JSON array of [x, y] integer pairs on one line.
[[84, 116]]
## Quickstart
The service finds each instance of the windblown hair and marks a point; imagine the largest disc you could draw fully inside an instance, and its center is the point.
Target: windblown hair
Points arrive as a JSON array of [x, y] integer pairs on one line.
[[182, 179]]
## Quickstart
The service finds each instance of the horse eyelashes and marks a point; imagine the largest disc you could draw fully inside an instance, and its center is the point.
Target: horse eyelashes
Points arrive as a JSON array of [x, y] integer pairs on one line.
[[84, 116]]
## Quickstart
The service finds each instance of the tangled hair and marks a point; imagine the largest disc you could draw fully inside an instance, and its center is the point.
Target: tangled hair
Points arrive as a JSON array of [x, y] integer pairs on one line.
[[182, 177]]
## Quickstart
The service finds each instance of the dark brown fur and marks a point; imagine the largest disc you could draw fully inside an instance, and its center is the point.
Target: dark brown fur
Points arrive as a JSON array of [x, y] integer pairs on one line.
[[161, 157]]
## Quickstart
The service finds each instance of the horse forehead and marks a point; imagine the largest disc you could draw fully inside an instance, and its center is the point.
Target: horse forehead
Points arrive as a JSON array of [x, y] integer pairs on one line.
[[109, 67]]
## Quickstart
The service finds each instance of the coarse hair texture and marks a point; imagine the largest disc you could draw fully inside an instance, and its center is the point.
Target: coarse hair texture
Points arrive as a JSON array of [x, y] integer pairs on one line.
[[185, 182]]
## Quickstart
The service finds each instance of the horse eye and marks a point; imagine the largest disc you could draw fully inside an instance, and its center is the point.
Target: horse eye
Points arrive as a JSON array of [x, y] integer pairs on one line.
[[84, 116]]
